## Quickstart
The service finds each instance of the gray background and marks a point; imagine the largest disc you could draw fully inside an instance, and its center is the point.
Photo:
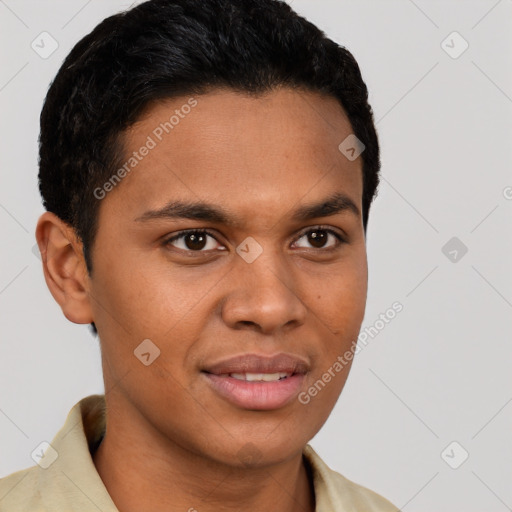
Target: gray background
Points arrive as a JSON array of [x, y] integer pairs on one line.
[[440, 371]]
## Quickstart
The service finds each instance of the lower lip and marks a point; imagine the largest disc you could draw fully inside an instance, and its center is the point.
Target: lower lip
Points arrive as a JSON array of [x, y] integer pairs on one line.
[[256, 395]]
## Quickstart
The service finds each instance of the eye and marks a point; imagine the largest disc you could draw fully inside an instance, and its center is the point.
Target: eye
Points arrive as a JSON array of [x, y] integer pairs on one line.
[[318, 238], [193, 241]]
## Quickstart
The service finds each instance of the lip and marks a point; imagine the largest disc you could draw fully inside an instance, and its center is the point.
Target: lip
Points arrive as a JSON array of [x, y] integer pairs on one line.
[[256, 363], [257, 395]]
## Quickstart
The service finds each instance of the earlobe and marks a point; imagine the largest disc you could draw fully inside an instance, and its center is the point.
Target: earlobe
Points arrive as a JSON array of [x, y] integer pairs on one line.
[[64, 267]]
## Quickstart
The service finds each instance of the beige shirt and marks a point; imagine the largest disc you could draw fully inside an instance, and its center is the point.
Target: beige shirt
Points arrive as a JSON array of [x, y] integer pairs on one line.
[[65, 478]]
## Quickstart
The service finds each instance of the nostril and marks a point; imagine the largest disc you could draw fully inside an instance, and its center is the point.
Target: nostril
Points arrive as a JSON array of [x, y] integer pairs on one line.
[[247, 322]]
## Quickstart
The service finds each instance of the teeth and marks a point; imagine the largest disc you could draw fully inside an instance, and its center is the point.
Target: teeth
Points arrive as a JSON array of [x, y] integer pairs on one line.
[[266, 377]]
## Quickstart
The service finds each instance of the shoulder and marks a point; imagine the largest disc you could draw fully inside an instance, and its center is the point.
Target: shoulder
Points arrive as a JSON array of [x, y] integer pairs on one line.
[[19, 491], [335, 491], [65, 476]]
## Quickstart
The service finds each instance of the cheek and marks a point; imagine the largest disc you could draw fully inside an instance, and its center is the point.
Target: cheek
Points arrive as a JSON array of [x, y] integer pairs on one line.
[[149, 304], [133, 297], [338, 316], [322, 390], [340, 300]]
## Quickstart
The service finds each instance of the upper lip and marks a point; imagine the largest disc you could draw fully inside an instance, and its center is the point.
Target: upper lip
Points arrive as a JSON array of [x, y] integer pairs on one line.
[[255, 363]]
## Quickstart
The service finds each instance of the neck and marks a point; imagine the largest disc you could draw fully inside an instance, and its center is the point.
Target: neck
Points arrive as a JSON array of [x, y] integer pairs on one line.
[[142, 471]]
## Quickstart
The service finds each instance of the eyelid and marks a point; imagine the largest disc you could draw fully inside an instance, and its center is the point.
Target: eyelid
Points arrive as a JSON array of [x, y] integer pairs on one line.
[[341, 238], [185, 232]]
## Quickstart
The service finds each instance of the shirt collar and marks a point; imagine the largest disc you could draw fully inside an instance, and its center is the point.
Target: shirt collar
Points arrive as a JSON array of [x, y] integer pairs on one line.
[[74, 475]]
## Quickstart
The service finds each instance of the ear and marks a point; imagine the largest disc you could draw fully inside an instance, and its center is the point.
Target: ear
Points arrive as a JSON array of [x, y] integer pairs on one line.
[[64, 267]]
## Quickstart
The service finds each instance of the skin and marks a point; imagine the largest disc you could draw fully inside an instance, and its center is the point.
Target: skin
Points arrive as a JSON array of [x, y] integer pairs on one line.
[[172, 443]]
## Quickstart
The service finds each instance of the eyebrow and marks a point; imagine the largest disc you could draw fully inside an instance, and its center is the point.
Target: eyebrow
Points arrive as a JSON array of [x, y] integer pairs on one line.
[[332, 205]]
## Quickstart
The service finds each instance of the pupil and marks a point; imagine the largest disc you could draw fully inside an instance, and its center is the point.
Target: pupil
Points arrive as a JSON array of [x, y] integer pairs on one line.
[[317, 238], [195, 241]]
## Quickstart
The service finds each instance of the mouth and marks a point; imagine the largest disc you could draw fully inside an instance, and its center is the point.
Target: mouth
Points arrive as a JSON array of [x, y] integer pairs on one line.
[[259, 377], [256, 382]]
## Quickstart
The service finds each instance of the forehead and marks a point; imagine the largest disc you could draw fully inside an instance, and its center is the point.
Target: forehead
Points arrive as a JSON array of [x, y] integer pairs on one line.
[[253, 152]]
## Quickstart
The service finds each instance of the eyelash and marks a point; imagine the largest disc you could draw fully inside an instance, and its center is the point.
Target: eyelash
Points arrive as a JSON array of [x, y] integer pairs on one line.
[[340, 239]]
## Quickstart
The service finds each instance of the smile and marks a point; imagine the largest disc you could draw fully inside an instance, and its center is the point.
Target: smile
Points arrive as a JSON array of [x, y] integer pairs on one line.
[[256, 377], [256, 391]]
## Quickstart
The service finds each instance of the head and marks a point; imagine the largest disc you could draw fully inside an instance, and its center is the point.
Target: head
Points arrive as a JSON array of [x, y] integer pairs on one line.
[[241, 106]]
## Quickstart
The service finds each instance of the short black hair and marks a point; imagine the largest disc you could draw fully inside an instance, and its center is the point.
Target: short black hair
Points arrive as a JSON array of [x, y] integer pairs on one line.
[[168, 48]]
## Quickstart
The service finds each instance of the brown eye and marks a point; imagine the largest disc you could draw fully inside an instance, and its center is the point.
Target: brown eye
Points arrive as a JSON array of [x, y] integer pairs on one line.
[[193, 241], [319, 237]]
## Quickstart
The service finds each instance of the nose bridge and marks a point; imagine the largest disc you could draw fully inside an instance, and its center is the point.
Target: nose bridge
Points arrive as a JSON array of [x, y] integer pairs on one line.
[[262, 293]]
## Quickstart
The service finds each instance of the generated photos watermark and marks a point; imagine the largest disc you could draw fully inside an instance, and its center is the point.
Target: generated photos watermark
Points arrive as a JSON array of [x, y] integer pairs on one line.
[[345, 359], [152, 141]]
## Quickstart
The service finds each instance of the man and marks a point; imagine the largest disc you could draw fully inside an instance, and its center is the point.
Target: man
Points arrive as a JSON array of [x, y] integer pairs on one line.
[[207, 168]]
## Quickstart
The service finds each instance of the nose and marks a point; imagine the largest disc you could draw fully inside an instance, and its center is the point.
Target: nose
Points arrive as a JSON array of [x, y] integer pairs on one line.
[[263, 297]]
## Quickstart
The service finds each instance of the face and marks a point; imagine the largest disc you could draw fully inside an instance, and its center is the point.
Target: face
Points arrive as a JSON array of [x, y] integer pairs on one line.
[[263, 267]]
